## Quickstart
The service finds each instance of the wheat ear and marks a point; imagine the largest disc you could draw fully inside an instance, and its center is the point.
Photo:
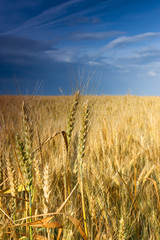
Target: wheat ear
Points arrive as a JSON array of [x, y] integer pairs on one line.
[[80, 155], [28, 136], [46, 191], [66, 155], [46, 187], [71, 116], [11, 177], [12, 183]]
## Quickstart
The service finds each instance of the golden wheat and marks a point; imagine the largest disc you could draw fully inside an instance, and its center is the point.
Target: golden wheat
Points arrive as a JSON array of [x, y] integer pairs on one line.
[[115, 147]]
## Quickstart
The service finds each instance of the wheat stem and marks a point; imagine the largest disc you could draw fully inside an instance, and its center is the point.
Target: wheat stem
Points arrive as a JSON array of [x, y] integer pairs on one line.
[[81, 148]]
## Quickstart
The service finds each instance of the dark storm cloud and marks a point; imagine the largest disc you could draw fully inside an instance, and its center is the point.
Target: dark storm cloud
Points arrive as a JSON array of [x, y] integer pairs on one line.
[[29, 61], [13, 48], [17, 44], [24, 58]]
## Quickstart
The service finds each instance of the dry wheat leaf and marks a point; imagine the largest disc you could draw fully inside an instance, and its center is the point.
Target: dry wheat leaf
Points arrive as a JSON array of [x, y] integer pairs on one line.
[[46, 225], [43, 220], [77, 224]]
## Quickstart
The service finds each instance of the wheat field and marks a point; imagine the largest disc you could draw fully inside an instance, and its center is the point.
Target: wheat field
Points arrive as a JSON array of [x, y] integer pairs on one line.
[[80, 167]]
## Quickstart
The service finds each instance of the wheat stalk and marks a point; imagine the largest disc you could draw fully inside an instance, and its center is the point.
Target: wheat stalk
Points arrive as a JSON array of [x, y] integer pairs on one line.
[[121, 232], [80, 154], [1, 168], [28, 136]]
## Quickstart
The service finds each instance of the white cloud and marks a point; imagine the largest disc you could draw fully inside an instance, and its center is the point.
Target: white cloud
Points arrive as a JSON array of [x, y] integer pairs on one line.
[[124, 41], [152, 73], [94, 35], [48, 17], [94, 63], [62, 55]]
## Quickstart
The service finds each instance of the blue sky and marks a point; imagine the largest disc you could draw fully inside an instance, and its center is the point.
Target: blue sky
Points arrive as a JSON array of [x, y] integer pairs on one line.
[[49, 46]]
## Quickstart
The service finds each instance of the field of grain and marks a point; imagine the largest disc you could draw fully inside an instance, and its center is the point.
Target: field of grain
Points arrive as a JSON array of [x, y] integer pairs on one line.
[[79, 167]]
